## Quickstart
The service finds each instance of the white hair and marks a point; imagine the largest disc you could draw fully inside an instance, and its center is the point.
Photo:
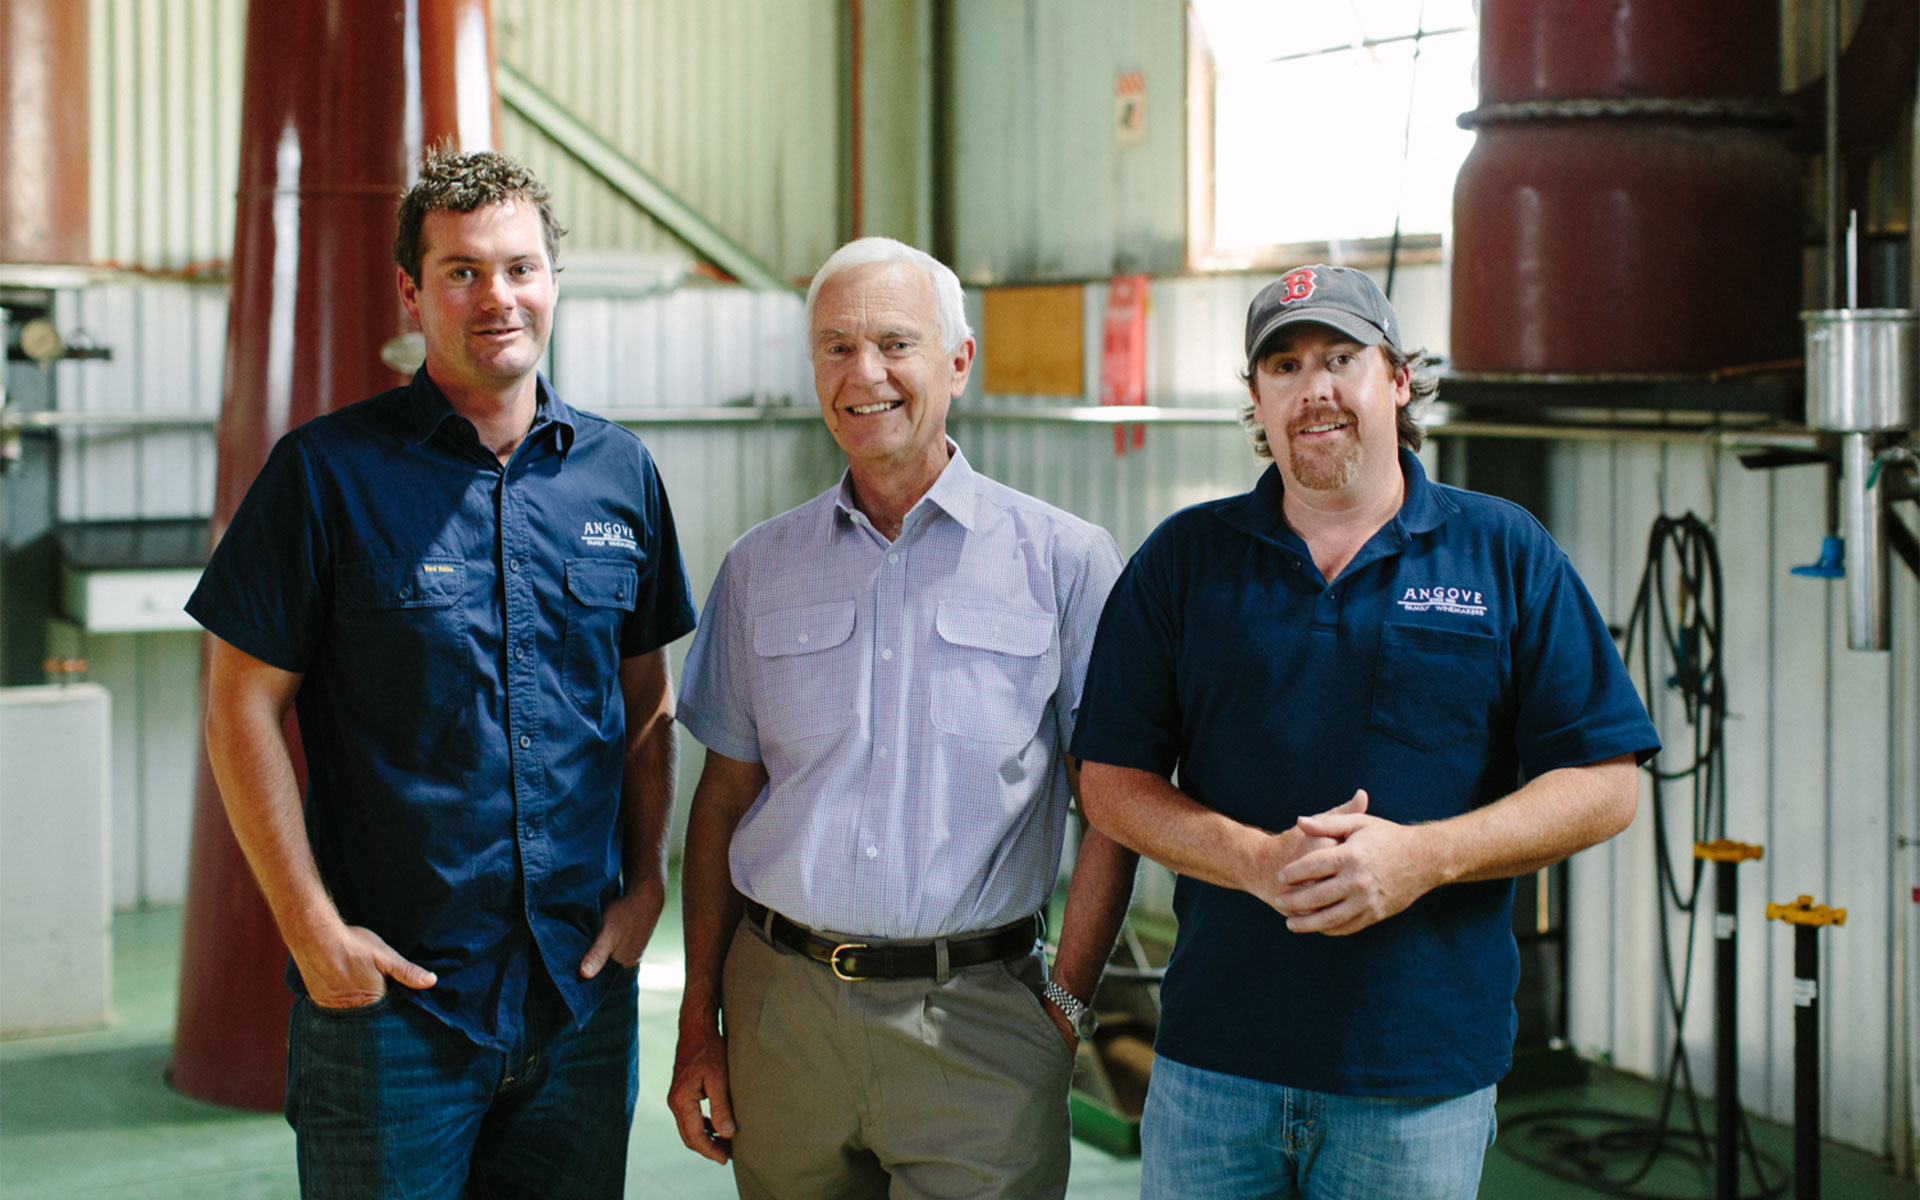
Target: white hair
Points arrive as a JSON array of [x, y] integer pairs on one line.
[[871, 251]]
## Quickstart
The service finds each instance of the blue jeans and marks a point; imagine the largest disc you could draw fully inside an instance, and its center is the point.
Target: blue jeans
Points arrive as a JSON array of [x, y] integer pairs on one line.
[[1209, 1134], [386, 1101]]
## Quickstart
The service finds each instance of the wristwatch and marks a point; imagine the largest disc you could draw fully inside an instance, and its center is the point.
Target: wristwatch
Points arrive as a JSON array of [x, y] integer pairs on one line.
[[1081, 1016]]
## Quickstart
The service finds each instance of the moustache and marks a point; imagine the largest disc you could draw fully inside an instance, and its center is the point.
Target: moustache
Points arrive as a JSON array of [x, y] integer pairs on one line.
[[1319, 416]]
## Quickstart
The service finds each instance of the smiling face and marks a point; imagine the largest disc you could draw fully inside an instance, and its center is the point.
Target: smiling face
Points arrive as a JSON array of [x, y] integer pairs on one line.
[[883, 378], [1329, 407], [485, 298]]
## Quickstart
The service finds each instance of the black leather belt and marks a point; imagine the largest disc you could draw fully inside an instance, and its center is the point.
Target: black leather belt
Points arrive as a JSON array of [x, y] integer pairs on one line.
[[851, 960]]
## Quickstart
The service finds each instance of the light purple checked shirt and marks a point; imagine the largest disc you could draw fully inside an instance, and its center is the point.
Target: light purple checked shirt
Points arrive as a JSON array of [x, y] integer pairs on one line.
[[912, 703]]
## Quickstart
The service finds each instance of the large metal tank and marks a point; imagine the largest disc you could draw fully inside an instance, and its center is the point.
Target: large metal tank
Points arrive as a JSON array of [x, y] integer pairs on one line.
[[1630, 206], [340, 97]]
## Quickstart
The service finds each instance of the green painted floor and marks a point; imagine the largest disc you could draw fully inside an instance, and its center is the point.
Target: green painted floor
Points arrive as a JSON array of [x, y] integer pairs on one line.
[[89, 1115]]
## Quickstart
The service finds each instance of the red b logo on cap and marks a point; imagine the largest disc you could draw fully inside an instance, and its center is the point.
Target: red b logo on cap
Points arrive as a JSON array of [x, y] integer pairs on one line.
[[1299, 285]]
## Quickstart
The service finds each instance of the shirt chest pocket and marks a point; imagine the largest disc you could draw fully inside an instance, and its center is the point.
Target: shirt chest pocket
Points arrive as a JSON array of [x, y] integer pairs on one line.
[[416, 676], [600, 598], [993, 675], [807, 673], [1433, 687]]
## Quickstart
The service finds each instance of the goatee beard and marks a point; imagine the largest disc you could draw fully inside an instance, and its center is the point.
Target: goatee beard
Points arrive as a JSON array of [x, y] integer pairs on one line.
[[1324, 468]]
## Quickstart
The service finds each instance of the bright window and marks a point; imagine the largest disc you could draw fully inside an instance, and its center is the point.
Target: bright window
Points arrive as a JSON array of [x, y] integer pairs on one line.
[[1329, 120]]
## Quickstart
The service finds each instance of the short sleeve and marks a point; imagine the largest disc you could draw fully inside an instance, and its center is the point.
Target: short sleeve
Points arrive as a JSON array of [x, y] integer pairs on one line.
[[1574, 702], [1083, 600], [1130, 708], [714, 696], [267, 588], [664, 610]]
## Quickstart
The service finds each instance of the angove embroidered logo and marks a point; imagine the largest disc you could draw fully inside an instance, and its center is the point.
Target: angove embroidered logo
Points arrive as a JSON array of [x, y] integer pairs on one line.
[[608, 533], [1464, 601]]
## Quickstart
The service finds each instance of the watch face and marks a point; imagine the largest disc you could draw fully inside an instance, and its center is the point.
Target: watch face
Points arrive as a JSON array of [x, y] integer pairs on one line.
[[1086, 1023]]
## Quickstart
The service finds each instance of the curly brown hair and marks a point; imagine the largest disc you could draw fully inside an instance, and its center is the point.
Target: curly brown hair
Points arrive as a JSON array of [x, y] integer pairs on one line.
[[452, 181]]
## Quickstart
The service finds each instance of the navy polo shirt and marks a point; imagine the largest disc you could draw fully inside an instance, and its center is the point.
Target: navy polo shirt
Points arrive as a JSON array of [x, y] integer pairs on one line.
[[1457, 653], [460, 625]]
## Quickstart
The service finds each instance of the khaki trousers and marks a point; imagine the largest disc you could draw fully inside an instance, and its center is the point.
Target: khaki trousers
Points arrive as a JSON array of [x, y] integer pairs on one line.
[[901, 1088]]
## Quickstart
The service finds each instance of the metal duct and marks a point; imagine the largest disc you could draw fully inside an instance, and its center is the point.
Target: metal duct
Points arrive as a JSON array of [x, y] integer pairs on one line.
[[340, 97], [43, 131], [1630, 205]]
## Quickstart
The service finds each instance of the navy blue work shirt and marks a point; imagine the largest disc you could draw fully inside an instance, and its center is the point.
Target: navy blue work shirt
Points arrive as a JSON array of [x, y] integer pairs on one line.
[[460, 625], [1457, 653]]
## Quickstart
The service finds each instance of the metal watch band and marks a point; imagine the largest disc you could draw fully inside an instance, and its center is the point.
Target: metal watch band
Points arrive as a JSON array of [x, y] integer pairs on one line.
[[1078, 1014]]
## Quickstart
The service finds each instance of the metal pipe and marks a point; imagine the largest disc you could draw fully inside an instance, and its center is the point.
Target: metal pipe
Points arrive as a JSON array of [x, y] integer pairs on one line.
[[1806, 1062], [1726, 857], [1863, 525], [1726, 1032], [1830, 11], [779, 408], [108, 420], [627, 177], [1806, 917]]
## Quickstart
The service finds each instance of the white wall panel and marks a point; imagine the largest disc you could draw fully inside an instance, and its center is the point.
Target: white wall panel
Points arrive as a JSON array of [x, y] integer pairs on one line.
[[1818, 751]]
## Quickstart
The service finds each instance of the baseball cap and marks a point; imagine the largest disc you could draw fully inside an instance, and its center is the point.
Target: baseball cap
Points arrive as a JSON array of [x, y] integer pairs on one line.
[[1340, 297]]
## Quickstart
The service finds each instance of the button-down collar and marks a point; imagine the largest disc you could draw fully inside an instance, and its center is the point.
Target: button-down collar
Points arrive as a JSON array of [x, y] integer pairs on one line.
[[954, 492]]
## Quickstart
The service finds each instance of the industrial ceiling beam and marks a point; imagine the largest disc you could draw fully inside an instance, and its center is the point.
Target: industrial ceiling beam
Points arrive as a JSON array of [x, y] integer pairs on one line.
[[627, 177]]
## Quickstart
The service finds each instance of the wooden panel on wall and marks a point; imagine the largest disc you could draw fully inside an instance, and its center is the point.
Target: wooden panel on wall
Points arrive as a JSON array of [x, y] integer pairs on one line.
[[1032, 341]]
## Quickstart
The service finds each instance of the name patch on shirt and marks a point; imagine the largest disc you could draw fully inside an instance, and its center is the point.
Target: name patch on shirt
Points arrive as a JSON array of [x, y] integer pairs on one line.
[[608, 533], [1464, 602]]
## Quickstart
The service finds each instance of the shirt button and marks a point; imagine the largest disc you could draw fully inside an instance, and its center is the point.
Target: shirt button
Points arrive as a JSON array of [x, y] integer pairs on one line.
[[893, 558], [803, 639], [883, 752], [619, 593], [873, 852], [525, 741], [513, 564], [404, 592], [887, 655], [518, 654]]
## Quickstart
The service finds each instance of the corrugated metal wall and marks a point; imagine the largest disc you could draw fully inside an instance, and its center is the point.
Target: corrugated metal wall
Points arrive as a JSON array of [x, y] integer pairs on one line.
[[164, 155], [1041, 188], [1823, 771], [733, 104]]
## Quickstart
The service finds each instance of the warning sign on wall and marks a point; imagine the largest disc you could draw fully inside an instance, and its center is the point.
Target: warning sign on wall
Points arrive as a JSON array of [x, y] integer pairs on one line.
[[1123, 353], [1130, 108]]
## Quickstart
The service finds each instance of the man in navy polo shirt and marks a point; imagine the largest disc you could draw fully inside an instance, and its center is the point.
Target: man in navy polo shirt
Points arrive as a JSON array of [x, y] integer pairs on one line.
[[464, 587], [1384, 699]]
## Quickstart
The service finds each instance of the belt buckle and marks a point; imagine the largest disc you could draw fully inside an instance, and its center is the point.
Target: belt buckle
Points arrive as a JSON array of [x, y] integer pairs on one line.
[[833, 960]]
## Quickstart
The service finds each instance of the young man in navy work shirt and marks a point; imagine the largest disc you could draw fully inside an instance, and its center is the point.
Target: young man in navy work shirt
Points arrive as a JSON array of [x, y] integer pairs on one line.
[[1384, 699], [464, 587]]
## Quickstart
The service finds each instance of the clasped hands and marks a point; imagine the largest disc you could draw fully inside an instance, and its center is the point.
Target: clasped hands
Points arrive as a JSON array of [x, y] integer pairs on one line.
[[1346, 870]]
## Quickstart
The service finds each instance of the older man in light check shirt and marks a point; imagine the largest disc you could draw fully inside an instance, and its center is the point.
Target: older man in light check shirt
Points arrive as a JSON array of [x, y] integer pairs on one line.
[[886, 679]]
